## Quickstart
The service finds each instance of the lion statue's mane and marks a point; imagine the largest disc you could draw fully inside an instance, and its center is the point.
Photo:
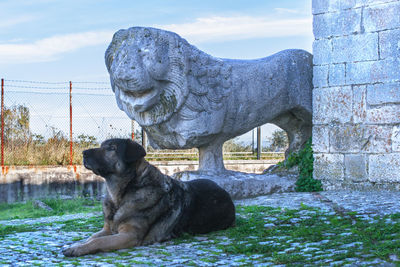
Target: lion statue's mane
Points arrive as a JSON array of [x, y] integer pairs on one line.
[[191, 85]]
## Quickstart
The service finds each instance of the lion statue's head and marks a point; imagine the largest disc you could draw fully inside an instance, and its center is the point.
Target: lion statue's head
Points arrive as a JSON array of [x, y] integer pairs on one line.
[[147, 73]]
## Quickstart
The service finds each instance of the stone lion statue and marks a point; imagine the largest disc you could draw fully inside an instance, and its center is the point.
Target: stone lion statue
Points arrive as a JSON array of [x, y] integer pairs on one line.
[[185, 98]]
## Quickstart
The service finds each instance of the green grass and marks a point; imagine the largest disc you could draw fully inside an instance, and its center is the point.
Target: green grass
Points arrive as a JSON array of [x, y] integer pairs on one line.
[[59, 206], [10, 229]]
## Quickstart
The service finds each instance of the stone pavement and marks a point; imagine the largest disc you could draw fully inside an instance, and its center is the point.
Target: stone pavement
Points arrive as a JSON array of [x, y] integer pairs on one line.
[[43, 246]]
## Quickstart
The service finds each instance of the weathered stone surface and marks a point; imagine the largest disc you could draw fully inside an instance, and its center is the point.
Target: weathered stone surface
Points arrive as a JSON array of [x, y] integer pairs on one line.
[[359, 47], [320, 77], [345, 22], [328, 167], [324, 6], [389, 44], [347, 138], [332, 105], [186, 98], [320, 137], [384, 114], [321, 6], [359, 104], [382, 17], [337, 74], [243, 185], [384, 167], [322, 51], [379, 94], [396, 139], [360, 138], [356, 167], [373, 71]]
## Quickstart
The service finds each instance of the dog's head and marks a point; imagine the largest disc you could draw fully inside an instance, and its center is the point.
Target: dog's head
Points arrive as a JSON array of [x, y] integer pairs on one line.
[[114, 156]]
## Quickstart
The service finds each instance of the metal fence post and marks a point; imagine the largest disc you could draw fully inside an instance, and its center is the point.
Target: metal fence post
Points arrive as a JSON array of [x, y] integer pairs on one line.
[[258, 142], [70, 124], [2, 123], [144, 139]]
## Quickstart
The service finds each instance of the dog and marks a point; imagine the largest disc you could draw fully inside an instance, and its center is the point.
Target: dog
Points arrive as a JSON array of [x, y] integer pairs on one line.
[[143, 206]]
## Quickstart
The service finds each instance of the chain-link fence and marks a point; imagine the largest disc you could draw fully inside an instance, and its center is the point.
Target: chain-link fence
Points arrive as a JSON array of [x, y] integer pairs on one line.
[[51, 123]]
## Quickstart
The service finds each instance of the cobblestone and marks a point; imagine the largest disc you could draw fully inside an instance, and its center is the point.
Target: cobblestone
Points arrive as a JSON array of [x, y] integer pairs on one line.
[[43, 246]]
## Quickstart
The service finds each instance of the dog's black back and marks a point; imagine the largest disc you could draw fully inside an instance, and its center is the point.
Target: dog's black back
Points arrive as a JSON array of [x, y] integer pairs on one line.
[[210, 209]]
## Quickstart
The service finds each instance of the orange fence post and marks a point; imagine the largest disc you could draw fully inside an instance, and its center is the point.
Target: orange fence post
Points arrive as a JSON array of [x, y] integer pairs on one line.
[[2, 123], [70, 124], [133, 129]]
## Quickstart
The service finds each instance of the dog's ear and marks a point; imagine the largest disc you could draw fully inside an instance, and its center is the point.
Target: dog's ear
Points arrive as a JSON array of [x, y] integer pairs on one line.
[[133, 151]]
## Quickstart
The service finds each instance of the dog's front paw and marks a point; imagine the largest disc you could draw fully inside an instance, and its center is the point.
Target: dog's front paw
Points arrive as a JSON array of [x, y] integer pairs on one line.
[[74, 251]]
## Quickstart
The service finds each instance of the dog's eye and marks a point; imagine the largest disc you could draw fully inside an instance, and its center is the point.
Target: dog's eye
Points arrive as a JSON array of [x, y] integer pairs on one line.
[[112, 148]]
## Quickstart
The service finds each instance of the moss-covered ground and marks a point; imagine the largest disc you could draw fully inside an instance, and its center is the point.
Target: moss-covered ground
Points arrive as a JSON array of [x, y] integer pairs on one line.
[[262, 236]]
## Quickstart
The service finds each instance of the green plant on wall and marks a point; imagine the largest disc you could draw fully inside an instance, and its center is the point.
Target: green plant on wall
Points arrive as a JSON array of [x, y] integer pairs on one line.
[[304, 160]]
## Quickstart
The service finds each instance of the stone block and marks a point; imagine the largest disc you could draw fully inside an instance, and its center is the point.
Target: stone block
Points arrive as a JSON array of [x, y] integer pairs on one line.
[[324, 6], [341, 23], [332, 105], [379, 94], [389, 44], [396, 138], [320, 6], [377, 139], [322, 51], [337, 74], [384, 115], [387, 70], [355, 167], [320, 77], [359, 104], [382, 17], [360, 47], [347, 4], [359, 72], [384, 168], [347, 138], [360, 138], [328, 167], [320, 138]]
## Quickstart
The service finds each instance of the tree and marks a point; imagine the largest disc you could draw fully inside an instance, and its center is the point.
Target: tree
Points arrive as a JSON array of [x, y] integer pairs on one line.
[[16, 123], [278, 141]]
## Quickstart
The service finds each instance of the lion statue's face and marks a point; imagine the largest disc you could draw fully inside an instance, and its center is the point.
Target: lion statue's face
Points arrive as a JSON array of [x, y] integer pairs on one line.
[[147, 74]]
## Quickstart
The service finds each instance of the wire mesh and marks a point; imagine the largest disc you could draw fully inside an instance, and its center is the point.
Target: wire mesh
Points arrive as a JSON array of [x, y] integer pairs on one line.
[[38, 119]]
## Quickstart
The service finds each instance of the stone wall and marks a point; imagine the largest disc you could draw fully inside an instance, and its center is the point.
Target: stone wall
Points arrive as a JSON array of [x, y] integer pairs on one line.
[[19, 183], [356, 98]]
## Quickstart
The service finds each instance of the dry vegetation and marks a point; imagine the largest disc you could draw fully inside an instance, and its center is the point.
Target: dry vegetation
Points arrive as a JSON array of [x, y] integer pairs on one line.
[[22, 147]]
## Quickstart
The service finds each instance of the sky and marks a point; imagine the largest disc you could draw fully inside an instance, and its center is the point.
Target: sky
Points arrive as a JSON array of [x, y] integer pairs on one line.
[[65, 40]]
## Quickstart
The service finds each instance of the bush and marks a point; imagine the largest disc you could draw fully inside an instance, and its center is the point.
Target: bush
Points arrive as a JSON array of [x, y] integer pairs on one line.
[[304, 160]]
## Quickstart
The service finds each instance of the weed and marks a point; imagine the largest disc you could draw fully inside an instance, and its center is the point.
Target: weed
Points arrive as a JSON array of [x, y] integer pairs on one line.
[[304, 160], [10, 229], [91, 224]]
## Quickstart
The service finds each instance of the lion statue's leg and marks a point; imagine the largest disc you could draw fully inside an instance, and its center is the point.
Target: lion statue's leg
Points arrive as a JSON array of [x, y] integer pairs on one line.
[[211, 157], [297, 124]]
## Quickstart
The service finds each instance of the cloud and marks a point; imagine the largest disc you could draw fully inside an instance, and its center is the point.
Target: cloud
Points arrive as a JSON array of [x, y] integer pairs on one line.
[[8, 22], [219, 28], [286, 10], [49, 49], [201, 30]]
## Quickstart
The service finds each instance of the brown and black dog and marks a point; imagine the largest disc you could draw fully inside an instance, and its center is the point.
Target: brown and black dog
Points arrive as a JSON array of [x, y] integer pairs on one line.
[[143, 206]]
